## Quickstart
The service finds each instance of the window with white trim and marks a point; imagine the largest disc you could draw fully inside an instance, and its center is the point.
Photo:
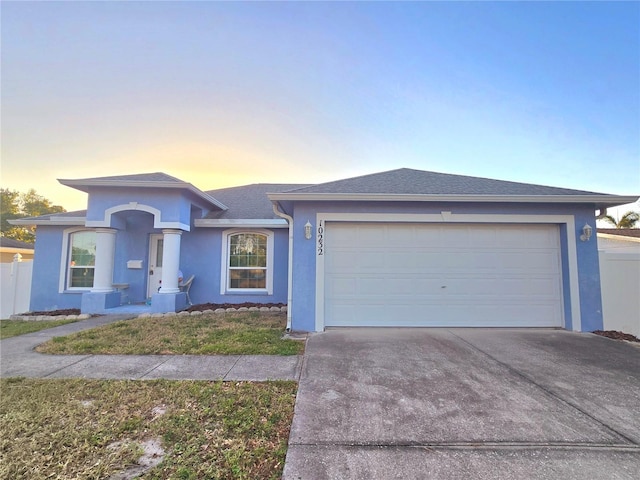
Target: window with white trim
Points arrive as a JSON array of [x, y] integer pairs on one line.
[[247, 262], [81, 259]]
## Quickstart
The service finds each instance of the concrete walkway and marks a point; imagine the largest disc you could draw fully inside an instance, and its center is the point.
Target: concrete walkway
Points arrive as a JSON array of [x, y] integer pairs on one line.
[[17, 358], [466, 404]]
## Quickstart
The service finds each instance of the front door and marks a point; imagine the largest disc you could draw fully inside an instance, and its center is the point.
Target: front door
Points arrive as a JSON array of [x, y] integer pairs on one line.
[[156, 243]]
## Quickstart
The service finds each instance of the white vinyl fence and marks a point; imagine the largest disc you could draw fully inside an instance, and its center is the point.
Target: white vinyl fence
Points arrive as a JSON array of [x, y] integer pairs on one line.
[[620, 280], [15, 286]]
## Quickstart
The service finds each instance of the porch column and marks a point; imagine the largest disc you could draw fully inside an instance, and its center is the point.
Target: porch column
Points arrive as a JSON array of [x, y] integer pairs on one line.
[[170, 261], [105, 252]]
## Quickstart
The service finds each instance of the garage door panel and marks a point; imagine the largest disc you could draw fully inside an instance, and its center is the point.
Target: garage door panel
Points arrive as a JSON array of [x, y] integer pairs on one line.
[[434, 315], [442, 275]]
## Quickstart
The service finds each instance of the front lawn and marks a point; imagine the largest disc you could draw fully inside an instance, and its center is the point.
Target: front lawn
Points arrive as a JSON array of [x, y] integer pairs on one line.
[[246, 333], [86, 429], [12, 328]]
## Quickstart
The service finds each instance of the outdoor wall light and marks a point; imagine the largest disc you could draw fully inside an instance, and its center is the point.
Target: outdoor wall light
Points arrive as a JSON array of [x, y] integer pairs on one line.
[[587, 230], [307, 230]]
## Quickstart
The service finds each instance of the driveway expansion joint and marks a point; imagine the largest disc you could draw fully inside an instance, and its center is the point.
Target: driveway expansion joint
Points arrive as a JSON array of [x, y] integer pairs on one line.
[[478, 446], [225, 379], [547, 391], [66, 366], [154, 368]]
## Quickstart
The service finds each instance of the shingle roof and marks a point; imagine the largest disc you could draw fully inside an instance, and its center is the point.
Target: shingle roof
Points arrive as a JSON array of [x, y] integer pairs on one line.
[[74, 214], [417, 182], [11, 243], [248, 201], [139, 177], [140, 180], [621, 232]]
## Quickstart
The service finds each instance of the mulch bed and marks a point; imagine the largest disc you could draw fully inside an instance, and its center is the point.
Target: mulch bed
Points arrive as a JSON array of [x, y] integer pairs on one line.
[[212, 306], [617, 335], [68, 311]]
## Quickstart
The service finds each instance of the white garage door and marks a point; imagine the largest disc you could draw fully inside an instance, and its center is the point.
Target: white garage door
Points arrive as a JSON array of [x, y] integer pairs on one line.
[[386, 274]]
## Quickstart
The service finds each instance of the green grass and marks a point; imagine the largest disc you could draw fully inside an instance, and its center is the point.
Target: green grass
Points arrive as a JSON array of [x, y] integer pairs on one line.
[[12, 328], [69, 428], [249, 333]]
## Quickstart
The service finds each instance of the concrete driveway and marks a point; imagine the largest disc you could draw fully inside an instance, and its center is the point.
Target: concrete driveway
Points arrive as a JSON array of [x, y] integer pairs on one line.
[[466, 404]]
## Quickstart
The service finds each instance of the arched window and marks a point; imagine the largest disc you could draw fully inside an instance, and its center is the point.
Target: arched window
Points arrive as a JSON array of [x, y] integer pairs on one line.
[[248, 262]]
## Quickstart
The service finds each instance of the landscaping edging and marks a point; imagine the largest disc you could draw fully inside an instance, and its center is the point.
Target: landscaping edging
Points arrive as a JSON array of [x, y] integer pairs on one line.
[[84, 316], [216, 311]]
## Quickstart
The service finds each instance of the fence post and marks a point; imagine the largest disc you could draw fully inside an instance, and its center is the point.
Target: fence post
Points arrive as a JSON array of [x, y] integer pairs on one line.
[[15, 273]]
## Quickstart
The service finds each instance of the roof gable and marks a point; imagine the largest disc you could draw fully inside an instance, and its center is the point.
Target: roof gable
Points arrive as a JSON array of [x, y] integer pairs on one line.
[[142, 180]]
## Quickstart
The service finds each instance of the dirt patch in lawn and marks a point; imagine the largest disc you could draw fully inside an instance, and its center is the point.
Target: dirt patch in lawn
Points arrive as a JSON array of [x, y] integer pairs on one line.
[[617, 335], [113, 429]]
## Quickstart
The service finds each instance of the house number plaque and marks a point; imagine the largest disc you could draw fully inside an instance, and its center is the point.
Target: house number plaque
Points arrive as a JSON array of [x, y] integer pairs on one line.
[[321, 238]]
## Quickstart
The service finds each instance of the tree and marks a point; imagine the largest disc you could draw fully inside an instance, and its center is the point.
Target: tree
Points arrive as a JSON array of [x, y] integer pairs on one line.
[[18, 205], [628, 220]]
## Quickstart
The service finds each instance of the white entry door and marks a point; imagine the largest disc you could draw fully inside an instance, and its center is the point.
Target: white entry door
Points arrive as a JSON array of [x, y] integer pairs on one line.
[[481, 275], [156, 244]]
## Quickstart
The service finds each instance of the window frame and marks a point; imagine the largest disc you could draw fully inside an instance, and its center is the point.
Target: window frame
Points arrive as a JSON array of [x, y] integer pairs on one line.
[[65, 262], [225, 268]]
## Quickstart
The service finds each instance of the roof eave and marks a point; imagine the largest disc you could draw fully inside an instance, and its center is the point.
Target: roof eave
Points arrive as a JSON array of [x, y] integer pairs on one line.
[[49, 221], [241, 222], [79, 184], [604, 201]]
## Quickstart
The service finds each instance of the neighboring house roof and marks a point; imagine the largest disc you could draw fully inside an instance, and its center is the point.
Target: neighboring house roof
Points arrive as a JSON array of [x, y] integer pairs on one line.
[[621, 232], [624, 240], [11, 243], [406, 184], [141, 180]]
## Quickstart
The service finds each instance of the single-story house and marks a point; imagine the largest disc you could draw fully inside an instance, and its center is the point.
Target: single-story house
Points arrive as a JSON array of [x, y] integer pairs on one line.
[[398, 248], [10, 247]]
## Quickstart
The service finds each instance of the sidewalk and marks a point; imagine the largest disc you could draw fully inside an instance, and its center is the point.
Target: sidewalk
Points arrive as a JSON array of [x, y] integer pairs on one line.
[[18, 359]]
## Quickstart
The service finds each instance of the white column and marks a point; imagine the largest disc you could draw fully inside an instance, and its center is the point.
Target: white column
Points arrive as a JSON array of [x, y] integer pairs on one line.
[[170, 261], [105, 252]]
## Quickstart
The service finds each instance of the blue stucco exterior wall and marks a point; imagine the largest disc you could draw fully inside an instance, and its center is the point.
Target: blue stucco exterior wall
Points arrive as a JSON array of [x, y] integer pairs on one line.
[[200, 255], [174, 204], [588, 274], [303, 308], [46, 272]]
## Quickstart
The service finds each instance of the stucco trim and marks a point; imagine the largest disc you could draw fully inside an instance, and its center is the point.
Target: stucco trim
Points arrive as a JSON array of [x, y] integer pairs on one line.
[[241, 222], [157, 214], [448, 217]]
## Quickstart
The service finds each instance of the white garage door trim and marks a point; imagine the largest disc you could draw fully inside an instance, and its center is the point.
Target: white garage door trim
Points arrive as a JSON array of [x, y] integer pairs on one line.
[[447, 217]]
